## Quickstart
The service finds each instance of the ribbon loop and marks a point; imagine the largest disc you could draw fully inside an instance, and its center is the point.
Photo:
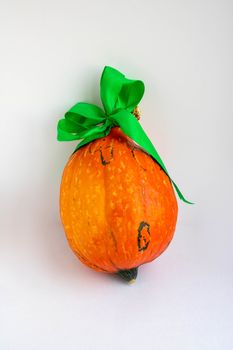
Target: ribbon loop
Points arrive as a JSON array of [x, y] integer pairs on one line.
[[118, 92], [85, 114]]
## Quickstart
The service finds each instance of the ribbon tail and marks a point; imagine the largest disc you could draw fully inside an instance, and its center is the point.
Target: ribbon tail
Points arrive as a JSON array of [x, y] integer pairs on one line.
[[133, 129], [179, 193]]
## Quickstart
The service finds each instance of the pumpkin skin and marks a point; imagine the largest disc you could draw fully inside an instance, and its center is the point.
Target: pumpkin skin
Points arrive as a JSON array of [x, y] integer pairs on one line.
[[117, 205]]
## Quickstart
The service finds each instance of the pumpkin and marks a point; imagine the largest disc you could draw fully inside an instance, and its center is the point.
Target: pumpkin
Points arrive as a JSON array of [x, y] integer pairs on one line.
[[117, 202], [117, 205]]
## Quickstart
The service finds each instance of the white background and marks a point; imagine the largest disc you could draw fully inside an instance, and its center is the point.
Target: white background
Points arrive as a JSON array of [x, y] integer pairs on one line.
[[51, 56]]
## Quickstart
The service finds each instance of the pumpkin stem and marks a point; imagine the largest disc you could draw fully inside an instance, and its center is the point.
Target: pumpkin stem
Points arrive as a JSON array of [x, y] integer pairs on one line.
[[128, 275], [137, 112]]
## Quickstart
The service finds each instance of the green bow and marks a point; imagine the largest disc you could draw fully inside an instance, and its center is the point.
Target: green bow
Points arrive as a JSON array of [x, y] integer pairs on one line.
[[119, 96]]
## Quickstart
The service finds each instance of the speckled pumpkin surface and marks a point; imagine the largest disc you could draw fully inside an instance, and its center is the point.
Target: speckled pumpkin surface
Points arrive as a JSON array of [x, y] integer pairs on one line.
[[117, 205]]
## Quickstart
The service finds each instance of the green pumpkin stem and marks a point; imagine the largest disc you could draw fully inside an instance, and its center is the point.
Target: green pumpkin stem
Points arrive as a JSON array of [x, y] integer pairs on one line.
[[129, 275]]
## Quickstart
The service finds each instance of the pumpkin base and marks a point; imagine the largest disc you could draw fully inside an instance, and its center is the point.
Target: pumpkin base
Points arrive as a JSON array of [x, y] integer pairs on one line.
[[129, 275]]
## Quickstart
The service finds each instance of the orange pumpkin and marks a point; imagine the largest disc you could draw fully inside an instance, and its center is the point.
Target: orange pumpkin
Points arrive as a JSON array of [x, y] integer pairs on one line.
[[117, 205]]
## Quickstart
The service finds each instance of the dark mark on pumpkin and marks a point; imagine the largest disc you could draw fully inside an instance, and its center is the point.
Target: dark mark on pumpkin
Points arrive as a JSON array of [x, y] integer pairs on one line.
[[104, 161], [136, 159], [143, 236], [132, 151]]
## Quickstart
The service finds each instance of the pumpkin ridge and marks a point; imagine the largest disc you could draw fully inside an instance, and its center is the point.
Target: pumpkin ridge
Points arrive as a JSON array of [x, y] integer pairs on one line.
[[76, 156], [147, 248], [106, 201], [140, 176], [132, 237]]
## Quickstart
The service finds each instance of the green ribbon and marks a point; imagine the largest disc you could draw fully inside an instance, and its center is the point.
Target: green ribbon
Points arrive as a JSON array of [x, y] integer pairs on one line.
[[119, 97]]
